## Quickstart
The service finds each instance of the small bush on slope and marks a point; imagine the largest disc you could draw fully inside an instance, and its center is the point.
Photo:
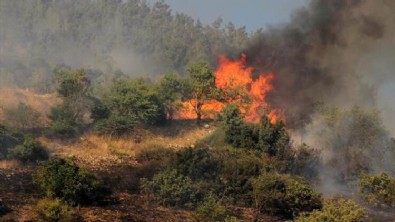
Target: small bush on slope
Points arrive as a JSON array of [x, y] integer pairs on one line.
[[63, 179], [336, 211]]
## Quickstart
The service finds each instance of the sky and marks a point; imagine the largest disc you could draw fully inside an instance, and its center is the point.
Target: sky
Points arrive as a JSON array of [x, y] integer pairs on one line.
[[253, 14]]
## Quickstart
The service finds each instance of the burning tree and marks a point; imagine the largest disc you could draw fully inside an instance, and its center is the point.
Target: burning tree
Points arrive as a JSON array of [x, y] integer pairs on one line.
[[201, 87], [231, 83]]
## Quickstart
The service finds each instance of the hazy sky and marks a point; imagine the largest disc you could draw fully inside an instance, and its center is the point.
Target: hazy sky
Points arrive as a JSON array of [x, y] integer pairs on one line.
[[253, 14]]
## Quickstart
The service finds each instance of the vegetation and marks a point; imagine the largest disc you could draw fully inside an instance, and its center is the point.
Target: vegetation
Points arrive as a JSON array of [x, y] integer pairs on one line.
[[68, 117], [239, 168], [197, 164], [29, 151], [60, 178], [170, 188], [53, 210], [211, 210], [336, 211], [8, 140], [284, 195], [349, 139], [22, 117], [201, 86], [378, 189], [131, 103]]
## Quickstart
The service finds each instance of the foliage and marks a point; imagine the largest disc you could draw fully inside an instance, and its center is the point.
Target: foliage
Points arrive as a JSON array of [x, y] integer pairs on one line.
[[265, 136], [68, 117], [170, 89], [53, 210], [64, 123], [238, 171], [353, 141], [305, 162], [284, 196], [30, 151], [201, 86], [131, 103], [22, 117], [210, 210], [197, 163], [115, 125], [154, 160], [378, 189], [8, 139], [168, 40], [336, 211], [72, 84], [60, 178], [170, 188]]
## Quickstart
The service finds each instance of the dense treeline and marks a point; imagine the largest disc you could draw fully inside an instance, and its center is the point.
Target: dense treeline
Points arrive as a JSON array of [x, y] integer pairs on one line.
[[105, 35]]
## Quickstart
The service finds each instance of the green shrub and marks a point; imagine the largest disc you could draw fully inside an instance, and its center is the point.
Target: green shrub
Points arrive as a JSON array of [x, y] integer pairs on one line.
[[270, 138], [197, 163], [210, 210], [115, 125], [284, 196], [63, 179], [53, 211], [305, 162], [8, 139], [29, 151], [378, 189], [169, 188], [336, 211], [239, 169], [63, 122], [152, 161]]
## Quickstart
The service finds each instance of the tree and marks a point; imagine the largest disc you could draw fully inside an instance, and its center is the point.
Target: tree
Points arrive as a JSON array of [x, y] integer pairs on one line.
[[170, 90], [201, 86], [22, 117], [73, 88], [131, 103]]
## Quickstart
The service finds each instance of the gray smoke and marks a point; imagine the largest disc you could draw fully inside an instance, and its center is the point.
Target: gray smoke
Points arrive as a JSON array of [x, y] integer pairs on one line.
[[341, 54]]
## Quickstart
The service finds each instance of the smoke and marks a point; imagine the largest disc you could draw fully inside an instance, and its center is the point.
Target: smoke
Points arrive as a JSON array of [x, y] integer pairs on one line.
[[338, 53]]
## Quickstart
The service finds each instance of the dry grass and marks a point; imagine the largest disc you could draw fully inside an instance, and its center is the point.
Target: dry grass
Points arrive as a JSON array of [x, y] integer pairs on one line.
[[7, 164], [11, 97], [99, 152]]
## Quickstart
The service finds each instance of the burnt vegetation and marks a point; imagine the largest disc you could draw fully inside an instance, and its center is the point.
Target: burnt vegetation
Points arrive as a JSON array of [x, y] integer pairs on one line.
[[113, 147]]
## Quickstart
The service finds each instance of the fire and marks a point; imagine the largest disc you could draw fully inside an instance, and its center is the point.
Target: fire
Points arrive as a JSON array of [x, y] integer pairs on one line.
[[234, 80]]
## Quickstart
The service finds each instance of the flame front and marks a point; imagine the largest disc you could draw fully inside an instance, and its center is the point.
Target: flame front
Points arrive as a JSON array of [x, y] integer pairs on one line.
[[234, 80]]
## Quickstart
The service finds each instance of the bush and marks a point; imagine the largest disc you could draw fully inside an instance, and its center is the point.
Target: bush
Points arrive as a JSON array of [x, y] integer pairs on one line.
[[210, 210], [63, 179], [29, 151], [270, 138], [239, 168], [169, 188], [284, 196], [22, 117], [53, 210], [378, 189], [305, 162], [153, 161], [197, 163], [8, 139], [115, 125], [63, 122], [336, 211]]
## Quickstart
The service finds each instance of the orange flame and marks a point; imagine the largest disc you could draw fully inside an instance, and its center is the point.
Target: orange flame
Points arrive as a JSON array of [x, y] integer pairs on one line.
[[234, 80]]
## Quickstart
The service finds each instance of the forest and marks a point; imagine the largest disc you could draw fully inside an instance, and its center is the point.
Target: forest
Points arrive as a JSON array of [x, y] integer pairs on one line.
[[122, 110]]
